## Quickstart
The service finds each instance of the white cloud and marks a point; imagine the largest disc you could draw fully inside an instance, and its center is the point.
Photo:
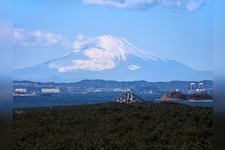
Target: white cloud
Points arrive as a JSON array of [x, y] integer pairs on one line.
[[194, 4], [97, 59], [82, 42], [37, 38], [93, 65], [134, 67], [189, 5]]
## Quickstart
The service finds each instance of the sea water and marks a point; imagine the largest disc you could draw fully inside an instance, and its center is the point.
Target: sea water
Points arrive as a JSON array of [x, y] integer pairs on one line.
[[86, 98]]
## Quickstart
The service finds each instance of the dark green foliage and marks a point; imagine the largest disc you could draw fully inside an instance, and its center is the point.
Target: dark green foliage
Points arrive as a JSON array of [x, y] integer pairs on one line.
[[5, 132], [180, 95], [114, 126]]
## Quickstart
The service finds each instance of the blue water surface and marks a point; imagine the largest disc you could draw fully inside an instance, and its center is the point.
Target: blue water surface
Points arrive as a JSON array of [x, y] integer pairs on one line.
[[85, 98]]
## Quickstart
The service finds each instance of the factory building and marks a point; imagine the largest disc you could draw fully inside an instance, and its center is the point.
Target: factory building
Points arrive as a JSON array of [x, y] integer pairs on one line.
[[50, 91], [20, 90]]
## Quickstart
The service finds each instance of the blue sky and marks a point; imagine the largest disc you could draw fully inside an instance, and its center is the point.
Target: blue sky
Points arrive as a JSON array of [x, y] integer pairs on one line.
[[181, 31], [219, 38], [5, 39]]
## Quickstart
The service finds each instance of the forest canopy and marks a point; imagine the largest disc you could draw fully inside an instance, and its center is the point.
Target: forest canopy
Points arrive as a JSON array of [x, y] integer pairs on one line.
[[114, 126]]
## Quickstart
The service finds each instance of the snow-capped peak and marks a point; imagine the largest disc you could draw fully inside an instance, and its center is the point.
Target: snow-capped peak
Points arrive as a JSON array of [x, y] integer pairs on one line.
[[98, 53]]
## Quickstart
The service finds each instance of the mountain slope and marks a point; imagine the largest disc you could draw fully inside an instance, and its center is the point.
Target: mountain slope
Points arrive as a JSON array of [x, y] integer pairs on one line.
[[110, 58]]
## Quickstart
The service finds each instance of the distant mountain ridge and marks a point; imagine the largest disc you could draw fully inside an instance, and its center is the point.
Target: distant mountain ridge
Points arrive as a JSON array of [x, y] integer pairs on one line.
[[109, 58], [136, 86]]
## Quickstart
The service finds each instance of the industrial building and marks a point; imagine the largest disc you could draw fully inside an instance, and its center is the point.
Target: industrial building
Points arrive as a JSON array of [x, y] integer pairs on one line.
[[20, 90], [50, 91]]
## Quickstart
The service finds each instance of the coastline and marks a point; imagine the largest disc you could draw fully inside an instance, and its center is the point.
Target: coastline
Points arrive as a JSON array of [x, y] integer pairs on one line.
[[193, 100]]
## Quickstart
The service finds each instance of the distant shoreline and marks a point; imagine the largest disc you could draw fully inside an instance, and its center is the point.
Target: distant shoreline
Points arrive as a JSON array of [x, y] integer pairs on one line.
[[192, 100]]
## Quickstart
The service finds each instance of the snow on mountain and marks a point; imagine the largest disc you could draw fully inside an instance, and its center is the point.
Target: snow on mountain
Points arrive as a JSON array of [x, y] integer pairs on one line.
[[96, 54], [111, 58]]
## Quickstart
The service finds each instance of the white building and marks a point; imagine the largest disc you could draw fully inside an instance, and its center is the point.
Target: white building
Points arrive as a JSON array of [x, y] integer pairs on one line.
[[50, 90], [20, 90]]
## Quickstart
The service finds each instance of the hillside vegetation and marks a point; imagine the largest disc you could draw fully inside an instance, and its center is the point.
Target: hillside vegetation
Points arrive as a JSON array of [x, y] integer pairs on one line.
[[182, 96], [114, 126]]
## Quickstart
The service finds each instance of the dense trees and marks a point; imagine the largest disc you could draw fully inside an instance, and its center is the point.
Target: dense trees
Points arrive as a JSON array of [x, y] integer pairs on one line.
[[114, 126]]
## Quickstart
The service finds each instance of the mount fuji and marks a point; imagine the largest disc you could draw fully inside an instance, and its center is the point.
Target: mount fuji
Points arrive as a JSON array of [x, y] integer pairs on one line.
[[110, 58]]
